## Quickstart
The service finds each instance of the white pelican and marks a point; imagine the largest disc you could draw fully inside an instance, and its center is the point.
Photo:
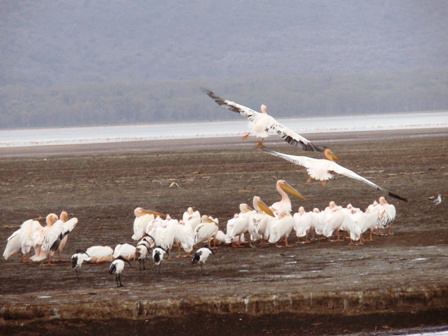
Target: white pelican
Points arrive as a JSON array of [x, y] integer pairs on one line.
[[323, 169], [117, 267], [284, 205], [317, 221], [281, 228], [163, 231], [333, 219], [240, 224], [93, 255], [387, 214], [265, 218], [43, 237], [261, 124], [23, 239], [302, 222], [207, 230], [201, 256], [143, 218], [184, 235], [158, 254], [125, 251], [190, 214]]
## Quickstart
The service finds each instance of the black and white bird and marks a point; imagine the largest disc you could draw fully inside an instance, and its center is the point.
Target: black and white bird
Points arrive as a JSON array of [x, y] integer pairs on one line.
[[324, 170], [117, 267], [201, 256], [436, 199], [262, 125], [158, 253], [142, 250]]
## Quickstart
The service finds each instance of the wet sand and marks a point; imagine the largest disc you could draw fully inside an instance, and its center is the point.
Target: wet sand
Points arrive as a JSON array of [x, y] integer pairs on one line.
[[318, 288]]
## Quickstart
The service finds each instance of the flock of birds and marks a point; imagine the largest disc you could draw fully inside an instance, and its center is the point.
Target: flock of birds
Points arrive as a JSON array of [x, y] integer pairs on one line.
[[156, 233]]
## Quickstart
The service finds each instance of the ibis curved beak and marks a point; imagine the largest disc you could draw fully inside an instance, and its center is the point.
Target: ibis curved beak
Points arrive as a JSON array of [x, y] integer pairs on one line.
[[291, 190]]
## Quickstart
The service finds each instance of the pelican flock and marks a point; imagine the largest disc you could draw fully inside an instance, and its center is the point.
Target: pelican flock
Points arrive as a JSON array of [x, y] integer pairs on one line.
[[155, 234]]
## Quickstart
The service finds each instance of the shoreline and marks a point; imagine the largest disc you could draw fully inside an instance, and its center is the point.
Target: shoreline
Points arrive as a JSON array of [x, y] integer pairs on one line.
[[227, 142]]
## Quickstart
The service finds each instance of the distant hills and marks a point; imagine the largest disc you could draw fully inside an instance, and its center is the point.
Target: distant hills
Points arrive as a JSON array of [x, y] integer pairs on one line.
[[103, 62]]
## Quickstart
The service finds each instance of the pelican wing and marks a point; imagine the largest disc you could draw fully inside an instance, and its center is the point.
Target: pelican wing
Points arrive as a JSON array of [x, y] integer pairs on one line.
[[55, 233], [232, 106], [304, 161], [332, 167], [292, 137]]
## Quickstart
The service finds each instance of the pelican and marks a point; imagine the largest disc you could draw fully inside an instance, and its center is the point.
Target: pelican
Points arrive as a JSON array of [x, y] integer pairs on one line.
[[117, 267], [240, 224], [284, 205], [93, 255], [190, 214], [42, 240], [207, 230], [333, 219], [23, 239], [387, 214], [126, 251], [323, 169], [261, 124], [201, 256], [302, 222], [317, 221]]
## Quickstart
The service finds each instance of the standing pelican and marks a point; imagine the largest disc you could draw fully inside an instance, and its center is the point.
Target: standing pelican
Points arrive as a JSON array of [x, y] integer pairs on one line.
[[284, 205], [261, 124], [323, 169]]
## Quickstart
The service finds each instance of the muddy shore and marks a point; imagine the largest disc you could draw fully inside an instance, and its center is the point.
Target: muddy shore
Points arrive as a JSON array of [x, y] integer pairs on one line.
[[324, 287]]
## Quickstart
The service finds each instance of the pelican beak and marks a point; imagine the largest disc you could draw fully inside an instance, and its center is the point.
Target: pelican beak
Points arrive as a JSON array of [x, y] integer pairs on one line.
[[291, 190], [263, 207], [330, 155]]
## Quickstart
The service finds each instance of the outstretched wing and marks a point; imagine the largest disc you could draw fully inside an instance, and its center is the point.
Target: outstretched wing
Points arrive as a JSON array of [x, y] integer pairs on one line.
[[303, 161], [351, 174], [293, 138], [232, 106]]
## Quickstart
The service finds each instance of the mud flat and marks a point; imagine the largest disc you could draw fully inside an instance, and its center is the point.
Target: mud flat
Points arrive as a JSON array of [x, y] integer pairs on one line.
[[324, 287]]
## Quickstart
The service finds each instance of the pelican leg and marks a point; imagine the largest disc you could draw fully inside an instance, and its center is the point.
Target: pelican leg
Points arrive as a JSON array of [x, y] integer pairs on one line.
[[286, 241], [246, 136], [371, 235], [260, 144], [309, 180], [389, 230], [323, 183]]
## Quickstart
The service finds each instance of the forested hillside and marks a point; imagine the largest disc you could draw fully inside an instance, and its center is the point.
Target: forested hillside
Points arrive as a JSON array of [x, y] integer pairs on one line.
[[108, 62]]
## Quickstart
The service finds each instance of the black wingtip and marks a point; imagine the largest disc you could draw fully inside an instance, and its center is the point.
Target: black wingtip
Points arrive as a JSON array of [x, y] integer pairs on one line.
[[397, 197], [212, 95]]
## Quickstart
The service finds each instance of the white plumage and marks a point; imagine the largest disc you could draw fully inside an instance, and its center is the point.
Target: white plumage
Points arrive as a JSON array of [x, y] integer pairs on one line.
[[201, 256], [117, 267], [324, 170], [302, 222], [206, 230], [261, 124], [125, 251]]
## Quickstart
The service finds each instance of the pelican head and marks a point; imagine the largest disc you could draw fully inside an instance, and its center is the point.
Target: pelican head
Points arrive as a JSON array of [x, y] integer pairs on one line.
[[329, 155], [382, 200], [264, 108], [261, 206], [245, 208], [51, 219], [190, 210], [301, 210], [286, 187], [332, 204], [63, 216]]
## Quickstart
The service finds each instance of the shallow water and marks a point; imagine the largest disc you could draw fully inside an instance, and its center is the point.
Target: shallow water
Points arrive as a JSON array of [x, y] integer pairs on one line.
[[103, 134]]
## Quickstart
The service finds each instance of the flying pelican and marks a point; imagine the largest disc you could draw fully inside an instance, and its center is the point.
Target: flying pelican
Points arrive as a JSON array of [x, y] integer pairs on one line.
[[323, 169], [117, 267], [261, 124], [201, 256], [284, 205]]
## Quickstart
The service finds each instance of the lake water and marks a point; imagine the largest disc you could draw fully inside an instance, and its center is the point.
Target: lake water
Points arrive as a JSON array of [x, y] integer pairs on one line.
[[79, 135]]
